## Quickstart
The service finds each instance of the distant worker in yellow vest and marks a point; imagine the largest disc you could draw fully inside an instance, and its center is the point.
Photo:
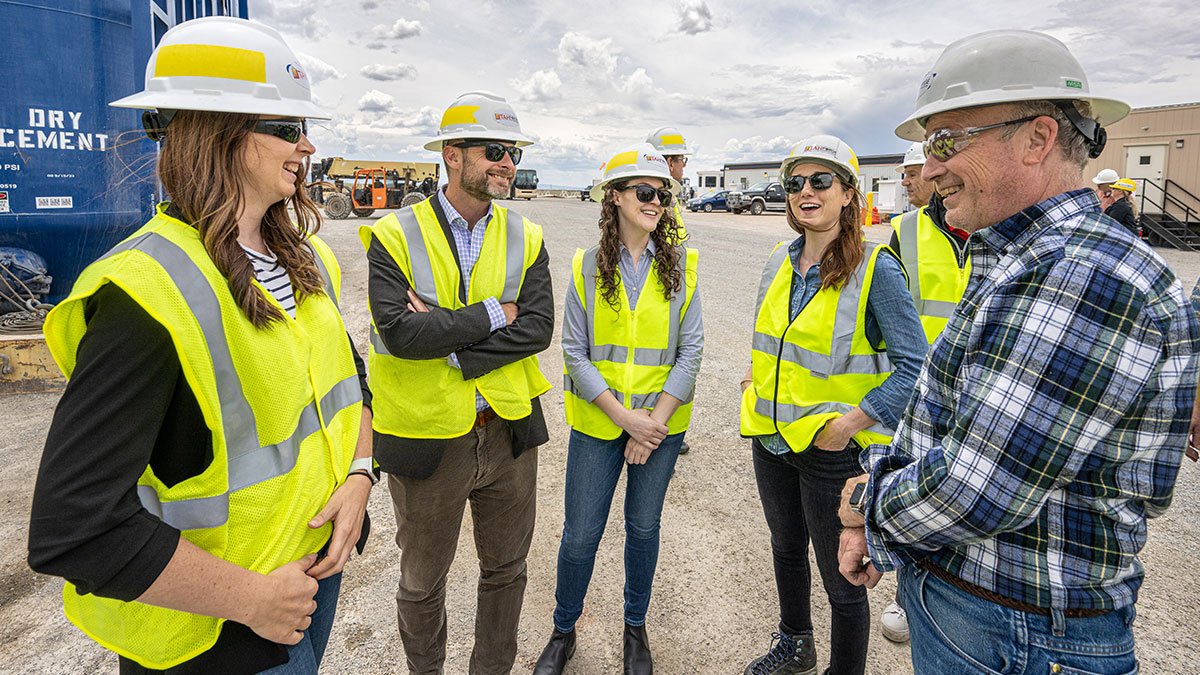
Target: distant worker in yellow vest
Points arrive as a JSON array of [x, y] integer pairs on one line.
[[207, 469], [461, 304], [836, 349], [632, 341]]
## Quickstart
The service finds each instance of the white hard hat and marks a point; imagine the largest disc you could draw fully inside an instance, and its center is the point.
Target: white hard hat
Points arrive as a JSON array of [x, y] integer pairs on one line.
[[829, 151], [668, 141], [636, 161], [1004, 66], [224, 64], [914, 156], [482, 115], [1106, 176]]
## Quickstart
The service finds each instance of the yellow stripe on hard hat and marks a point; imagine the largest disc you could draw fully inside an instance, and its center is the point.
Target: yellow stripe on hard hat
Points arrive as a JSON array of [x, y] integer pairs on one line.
[[622, 159], [460, 114], [228, 63], [672, 139]]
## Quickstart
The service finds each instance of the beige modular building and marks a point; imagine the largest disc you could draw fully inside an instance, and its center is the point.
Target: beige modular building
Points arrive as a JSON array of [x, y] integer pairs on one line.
[[1159, 147]]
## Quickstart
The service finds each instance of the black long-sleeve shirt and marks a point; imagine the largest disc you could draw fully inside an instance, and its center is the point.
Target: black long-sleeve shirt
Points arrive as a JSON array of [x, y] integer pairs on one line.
[[1122, 212], [126, 406], [465, 332]]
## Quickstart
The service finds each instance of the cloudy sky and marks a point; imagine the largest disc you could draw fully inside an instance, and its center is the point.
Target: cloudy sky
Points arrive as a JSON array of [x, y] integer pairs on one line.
[[743, 80]]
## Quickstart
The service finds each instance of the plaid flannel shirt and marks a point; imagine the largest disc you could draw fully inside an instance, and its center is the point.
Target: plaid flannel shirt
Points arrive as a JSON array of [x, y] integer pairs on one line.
[[1050, 418]]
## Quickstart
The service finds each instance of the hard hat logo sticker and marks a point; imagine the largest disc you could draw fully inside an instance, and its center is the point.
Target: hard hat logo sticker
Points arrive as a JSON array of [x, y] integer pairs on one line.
[[506, 118], [927, 82], [298, 75]]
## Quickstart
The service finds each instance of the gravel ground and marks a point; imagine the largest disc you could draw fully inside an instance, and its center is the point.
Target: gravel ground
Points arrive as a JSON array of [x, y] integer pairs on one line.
[[714, 603]]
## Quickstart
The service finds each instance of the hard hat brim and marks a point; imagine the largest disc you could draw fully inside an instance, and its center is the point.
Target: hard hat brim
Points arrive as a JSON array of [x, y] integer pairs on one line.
[[222, 102], [516, 138], [597, 191], [1105, 110]]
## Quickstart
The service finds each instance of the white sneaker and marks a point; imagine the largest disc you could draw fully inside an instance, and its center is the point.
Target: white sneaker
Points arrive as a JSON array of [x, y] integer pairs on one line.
[[894, 623]]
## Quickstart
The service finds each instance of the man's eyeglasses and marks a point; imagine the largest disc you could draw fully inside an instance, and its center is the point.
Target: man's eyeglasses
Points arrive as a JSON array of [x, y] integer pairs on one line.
[[677, 158], [493, 151], [646, 194], [818, 181], [288, 130], [946, 143]]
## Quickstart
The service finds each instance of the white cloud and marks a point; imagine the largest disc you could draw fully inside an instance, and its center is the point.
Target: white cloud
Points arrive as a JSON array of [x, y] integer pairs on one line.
[[376, 101], [402, 29], [757, 146], [543, 85], [587, 56], [378, 71], [317, 69], [695, 18], [297, 16], [369, 4], [640, 89]]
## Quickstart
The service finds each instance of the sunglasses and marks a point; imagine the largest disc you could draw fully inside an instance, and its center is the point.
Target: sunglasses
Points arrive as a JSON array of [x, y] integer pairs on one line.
[[946, 143], [492, 151], [288, 130], [818, 181], [646, 194]]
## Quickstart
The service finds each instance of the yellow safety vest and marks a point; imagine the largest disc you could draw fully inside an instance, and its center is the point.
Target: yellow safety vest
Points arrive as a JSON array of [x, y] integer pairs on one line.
[[679, 219], [634, 350], [939, 282], [283, 404], [428, 398], [817, 367]]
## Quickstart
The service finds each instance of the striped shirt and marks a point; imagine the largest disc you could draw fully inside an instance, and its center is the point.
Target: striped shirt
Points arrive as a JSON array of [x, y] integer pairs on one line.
[[1050, 418], [469, 242], [274, 278]]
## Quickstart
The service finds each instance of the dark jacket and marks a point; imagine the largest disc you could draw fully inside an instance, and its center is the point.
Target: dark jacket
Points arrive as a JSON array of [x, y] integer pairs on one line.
[[465, 332], [1122, 212]]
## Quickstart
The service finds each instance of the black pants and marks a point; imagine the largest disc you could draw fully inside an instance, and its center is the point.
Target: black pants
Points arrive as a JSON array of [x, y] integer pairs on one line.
[[800, 494]]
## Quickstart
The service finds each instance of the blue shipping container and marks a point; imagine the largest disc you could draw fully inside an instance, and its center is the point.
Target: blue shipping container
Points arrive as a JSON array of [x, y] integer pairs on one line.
[[76, 176]]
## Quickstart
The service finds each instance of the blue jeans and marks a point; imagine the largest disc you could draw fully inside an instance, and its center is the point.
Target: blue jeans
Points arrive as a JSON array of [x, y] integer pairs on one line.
[[953, 631], [593, 467], [304, 657]]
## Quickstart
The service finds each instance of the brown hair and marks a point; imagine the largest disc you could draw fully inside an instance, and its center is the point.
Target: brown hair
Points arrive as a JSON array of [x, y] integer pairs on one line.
[[668, 250], [201, 168], [843, 255]]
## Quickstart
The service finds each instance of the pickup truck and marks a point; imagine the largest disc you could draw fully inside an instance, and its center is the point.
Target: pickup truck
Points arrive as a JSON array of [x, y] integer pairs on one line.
[[757, 198]]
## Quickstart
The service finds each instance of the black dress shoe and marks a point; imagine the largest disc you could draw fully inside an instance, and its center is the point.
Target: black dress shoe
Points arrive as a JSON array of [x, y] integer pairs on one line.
[[637, 651], [558, 651]]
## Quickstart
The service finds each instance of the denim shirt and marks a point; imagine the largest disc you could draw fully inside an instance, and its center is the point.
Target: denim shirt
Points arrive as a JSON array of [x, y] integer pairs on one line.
[[892, 320]]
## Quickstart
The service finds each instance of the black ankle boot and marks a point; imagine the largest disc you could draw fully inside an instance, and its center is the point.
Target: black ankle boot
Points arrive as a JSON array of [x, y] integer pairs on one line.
[[637, 651], [558, 651]]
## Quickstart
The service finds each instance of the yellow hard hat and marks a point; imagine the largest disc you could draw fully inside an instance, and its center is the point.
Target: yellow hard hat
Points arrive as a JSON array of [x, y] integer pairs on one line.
[[1125, 184]]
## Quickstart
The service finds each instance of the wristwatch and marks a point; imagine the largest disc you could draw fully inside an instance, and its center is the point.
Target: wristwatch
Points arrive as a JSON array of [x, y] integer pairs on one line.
[[858, 499], [366, 466]]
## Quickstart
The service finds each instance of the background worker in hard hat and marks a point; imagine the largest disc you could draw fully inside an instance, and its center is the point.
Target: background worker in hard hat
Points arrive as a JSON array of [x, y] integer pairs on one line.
[[1118, 204], [208, 443], [625, 412], [1051, 416], [832, 321], [670, 143], [934, 254], [1104, 180], [461, 304]]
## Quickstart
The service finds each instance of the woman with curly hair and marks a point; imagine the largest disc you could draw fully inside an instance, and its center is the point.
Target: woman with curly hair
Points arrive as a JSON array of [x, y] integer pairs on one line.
[[836, 350], [632, 342]]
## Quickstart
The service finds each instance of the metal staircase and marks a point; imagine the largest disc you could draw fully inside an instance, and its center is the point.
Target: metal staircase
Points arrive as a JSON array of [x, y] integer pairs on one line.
[[1170, 215]]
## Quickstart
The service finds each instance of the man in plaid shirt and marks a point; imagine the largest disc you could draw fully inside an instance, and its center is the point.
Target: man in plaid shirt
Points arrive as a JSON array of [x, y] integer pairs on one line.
[[1050, 419]]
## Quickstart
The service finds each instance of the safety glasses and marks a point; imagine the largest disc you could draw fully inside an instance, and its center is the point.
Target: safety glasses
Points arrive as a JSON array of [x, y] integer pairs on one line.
[[646, 194], [288, 130], [818, 181], [946, 143], [492, 151]]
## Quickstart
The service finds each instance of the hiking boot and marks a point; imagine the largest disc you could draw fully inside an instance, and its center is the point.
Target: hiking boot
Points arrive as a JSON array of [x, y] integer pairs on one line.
[[894, 623], [789, 655], [558, 651]]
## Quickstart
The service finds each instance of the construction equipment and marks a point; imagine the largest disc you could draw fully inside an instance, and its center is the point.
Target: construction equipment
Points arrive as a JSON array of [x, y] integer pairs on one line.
[[372, 185]]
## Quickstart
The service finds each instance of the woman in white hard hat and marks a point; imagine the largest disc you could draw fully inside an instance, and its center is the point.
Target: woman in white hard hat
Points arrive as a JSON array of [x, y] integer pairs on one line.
[[1118, 204], [836, 351], [632, 342], [204, 477]]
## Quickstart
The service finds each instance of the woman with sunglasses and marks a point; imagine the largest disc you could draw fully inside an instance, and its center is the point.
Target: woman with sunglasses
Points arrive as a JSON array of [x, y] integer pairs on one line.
[[632, 342], [836, 351], [207, 470]]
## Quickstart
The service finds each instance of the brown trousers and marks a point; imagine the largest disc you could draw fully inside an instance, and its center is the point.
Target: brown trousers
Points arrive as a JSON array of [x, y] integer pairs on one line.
[[478, 468]]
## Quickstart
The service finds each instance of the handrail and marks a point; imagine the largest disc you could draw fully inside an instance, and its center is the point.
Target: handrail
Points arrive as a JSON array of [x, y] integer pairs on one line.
[[1189, 214], [1185, 191]]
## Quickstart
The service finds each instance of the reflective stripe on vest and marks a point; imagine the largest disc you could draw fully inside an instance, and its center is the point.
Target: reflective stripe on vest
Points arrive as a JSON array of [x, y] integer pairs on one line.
[[249, 462]]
